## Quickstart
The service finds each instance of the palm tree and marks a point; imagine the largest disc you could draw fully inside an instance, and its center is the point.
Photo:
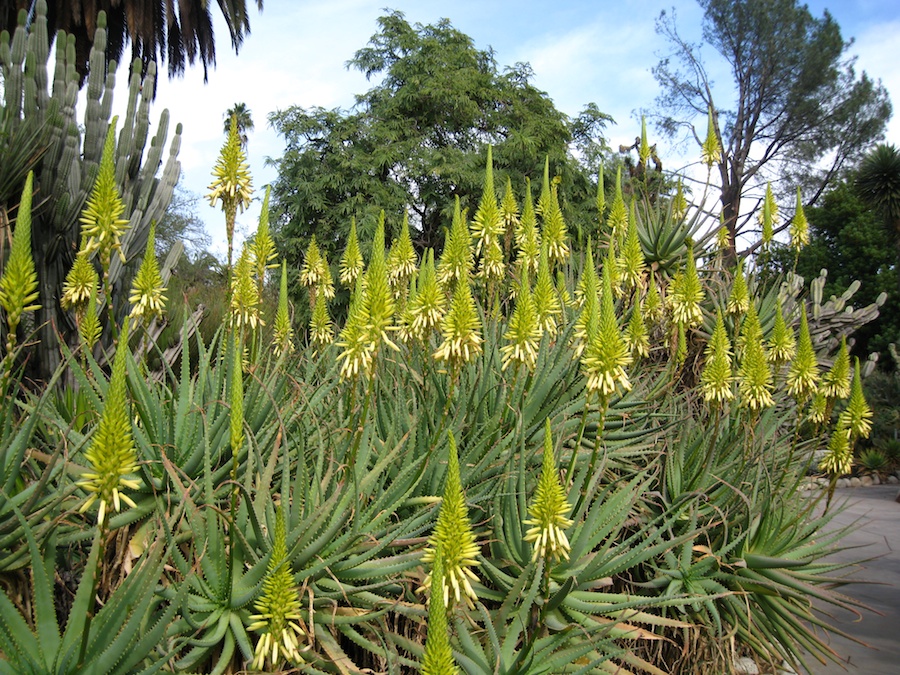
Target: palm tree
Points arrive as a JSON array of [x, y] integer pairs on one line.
[[878, 183], [241, 113], [178, 31]]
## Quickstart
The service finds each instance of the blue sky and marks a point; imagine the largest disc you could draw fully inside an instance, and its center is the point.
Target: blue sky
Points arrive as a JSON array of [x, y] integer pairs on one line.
[[581, 51]]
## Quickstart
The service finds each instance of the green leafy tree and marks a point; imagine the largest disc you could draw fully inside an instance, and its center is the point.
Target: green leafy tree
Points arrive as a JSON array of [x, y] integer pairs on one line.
[[878, 182], [850, 240], [798, 106], [418, 138]]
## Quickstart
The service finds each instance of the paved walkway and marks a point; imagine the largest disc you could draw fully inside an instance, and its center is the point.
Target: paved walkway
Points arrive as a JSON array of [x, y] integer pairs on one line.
[[875, 517]]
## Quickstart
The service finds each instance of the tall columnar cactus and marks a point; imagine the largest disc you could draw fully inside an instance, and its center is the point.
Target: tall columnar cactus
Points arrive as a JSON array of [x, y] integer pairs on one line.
[[40, 99]]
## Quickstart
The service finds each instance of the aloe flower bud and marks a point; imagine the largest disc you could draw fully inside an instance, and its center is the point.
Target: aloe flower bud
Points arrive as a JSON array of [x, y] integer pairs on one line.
[[631, 263], [262, 248], [89, 328], [509, 213], [679, 202], [588, 293], [493, 269], [284, 333], [601, 195], [754, 374], [278, 608], [803, 374], [549, 511], [836, 382], [321, 328], [818, 407], [454, 538], [351, 264], [644, 147], [312, 274], [357, 348], [19, 283], [711, 149], [378, 298], [111, 454], [799, 229], [438, 657]]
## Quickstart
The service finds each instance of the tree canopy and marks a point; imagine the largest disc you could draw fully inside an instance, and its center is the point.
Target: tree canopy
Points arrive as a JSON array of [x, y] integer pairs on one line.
[[794, 108], [418, 138], [178, 32]]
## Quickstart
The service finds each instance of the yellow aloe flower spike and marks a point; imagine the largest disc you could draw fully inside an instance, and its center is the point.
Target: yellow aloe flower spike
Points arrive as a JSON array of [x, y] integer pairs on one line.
[[543, 204], [711, 149], [278, 608], [588, 292], [429, 304], [147, 291], [509, 214], [89, 328], [632, 263], [326, 286], [351, 266], [857, 417], [838, 458], [402, 261], [454, 538], [653, 304], [546, 299], [524, 331], [606, 353], [312, 274], [644, 148], [232, 185], [487, 224], [836, 382], [768, 218], [618, 214], [378, 298], [549, 511], [284, 333], [601, 196], [19, 283], [687, 294], [493, 269], [782, 345], [437, 658], [799, 229], [357, 348], [263, 247], [818, 408], [245, 312], [679, 202], [754, 374], [461, 328], [80, 282], [321, 328], [102, 226], [528, 238], [111, 454], [555, 232], [739, 298], [636, 337], [717, 376], [803, 374], [455, 263]]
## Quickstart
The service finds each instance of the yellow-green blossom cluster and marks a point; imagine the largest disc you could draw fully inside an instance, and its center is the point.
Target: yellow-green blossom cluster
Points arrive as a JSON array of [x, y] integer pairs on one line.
[[549, 511]]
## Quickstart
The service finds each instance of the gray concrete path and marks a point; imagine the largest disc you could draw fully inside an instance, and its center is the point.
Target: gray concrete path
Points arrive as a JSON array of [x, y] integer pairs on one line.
[[875, 517]]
